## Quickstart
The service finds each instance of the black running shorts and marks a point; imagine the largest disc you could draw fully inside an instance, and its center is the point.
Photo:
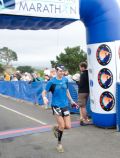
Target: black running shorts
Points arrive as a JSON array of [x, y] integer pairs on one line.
[[60, 111]]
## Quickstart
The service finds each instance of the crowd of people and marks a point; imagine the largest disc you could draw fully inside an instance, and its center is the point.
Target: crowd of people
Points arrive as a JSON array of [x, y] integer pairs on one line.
[[16, 76], [48, 74]]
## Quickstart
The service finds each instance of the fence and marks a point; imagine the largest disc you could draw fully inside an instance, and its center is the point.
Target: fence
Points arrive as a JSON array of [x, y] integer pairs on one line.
[[32, 92]]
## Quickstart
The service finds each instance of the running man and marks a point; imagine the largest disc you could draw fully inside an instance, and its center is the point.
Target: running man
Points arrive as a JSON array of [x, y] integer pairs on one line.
[[58, 85]]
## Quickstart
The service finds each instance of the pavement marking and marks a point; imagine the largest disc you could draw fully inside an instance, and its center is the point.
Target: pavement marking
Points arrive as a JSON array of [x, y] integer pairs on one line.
[[26, 131], [19, 113]]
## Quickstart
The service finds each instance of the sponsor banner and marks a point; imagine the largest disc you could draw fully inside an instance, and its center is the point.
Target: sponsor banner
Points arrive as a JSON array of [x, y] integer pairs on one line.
[[117, 43], [41, 8], [102, 77]]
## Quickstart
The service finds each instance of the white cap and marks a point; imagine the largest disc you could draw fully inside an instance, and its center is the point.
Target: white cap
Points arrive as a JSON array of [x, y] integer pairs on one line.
[[76, 77], [47, 72]]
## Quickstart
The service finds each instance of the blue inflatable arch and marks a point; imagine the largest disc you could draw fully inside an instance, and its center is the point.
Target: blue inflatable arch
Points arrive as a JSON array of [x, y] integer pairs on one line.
[[102, 21]]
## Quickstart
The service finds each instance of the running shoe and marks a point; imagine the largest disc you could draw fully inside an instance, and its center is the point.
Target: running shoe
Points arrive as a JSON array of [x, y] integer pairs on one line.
[[85, 122], [60, 148], [55, 131]]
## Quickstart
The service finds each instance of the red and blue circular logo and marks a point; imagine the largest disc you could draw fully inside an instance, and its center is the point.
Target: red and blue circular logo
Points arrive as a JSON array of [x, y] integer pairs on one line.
[[105, 78], [107, 101], [103, 54]]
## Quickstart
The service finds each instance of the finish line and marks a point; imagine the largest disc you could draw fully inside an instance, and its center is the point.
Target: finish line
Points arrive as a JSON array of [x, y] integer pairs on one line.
[[27, 131]]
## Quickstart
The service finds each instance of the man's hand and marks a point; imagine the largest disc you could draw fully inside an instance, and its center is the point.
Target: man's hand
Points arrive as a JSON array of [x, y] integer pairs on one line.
[[74, 105], [45, 100]]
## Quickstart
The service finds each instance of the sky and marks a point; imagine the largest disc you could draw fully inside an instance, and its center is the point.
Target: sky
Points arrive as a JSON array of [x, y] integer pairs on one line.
[[38, 48]]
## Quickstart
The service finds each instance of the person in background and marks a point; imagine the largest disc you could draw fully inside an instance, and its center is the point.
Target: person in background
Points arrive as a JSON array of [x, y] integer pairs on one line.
[[58, 85], [83, 93], [52, 73], [68, 76], [14, 77], [6, 77], [46, 78], [18, 75], [2, 78], [36, 77], [26, 77], [76, 78], [39, 77], [47, 72]]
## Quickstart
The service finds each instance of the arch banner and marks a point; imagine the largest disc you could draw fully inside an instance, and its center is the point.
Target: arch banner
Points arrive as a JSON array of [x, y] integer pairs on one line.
[[102, 79], [101, 20], [41, 8]]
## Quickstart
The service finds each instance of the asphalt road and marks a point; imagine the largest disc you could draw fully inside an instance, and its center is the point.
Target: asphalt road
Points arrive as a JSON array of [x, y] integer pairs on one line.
[[25, 132]]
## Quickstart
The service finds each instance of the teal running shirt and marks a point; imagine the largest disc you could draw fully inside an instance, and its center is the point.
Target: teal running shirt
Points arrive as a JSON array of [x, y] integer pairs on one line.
[[59, 91]]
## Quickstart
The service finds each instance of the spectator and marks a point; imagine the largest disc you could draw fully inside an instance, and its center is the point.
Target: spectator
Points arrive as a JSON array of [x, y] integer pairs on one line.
[[14, 78], [68, 76], [6, 77], [26, 77], [83, 93], [52, 73], [46, 78], [18, 75], [76, 78], [36, 77], [47, 72]]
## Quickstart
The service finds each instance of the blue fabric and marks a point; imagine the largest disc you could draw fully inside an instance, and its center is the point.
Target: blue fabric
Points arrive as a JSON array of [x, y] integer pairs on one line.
[[101, 19], [32, 23], [118, 106], [73, 88], [10, 4], [104, 120], [29, 22], [59, 96], [32, 92], [23, 90]]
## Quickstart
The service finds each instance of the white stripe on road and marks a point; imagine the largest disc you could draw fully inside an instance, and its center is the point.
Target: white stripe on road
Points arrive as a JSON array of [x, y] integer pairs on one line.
[[19, 113]]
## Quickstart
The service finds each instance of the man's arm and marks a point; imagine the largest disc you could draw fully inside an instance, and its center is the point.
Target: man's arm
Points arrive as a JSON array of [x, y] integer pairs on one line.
[[73, 103], [45, 100], [69, 97]]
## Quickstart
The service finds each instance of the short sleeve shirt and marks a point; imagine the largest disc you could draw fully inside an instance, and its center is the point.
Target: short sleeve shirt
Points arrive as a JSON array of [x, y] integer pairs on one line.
[[59, 95]]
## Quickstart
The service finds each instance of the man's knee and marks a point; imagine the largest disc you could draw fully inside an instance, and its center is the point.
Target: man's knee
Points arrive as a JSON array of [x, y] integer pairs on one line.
[[62, 127], [67, 126]]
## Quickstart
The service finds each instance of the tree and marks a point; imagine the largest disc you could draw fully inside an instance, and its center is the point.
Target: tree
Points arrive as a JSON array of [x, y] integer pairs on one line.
[[71, 58], [41, 72], [24, 69], [1, 68], [7, 55]]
